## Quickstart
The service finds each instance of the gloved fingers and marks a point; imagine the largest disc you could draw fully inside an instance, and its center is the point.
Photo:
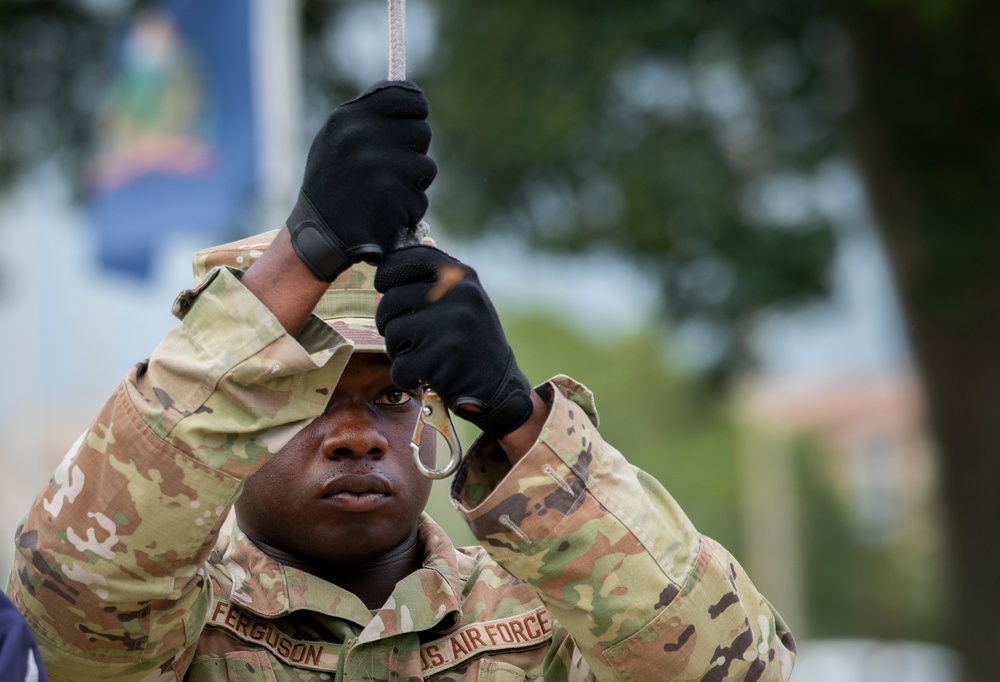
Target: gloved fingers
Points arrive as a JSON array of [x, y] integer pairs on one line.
[[426, 170], [420, 358], [397, 177], [392, 99], [407, 334], [414, 208], [421, 136], [405, 373], [464, 315], [403, 205], [442, 330], [418, 264], [416, 170], [383, 134], [425, 354], [410, 135], [363, 157], [353, 132], [367, 144], [366, 178], [399, 302]]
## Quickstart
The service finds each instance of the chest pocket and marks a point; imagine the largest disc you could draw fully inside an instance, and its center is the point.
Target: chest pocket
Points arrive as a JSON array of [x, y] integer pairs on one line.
[[498, 671], [236, 666]]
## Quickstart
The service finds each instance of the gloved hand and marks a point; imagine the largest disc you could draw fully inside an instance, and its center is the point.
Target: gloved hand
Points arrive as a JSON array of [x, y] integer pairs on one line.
[[441, 329], [365, 179]]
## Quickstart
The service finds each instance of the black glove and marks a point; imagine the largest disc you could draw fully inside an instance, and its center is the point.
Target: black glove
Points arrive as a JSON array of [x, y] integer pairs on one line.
[[365, 179], [449, 339]]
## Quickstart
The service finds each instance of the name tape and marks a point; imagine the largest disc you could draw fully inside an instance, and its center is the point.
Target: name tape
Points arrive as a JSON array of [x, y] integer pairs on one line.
[[312, 655], [516, 632]]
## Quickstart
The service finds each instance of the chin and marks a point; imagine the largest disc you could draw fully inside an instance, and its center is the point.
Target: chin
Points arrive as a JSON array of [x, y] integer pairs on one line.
[[360, 546]]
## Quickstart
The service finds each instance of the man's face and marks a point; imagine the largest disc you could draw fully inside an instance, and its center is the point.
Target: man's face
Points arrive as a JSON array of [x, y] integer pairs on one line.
[[345, 490]]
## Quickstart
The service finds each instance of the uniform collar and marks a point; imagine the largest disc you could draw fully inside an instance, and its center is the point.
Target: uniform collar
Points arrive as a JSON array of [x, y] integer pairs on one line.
[[427, 599]]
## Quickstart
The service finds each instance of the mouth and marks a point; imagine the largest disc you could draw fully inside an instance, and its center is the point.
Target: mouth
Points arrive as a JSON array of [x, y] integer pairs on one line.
[[356, 492]]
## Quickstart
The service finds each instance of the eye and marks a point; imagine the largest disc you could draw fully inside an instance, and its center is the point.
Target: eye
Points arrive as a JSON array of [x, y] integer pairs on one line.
[[394, 396]]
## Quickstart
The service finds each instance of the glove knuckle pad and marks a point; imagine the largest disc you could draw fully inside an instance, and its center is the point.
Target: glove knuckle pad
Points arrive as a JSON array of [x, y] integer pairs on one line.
[[403, 376], [426, 171]]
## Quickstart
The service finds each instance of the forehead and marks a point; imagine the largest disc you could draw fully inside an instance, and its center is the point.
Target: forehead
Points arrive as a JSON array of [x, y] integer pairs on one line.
[[366, 367]]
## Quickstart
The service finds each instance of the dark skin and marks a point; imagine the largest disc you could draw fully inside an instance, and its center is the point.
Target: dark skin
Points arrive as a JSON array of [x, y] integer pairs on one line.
[[347, 485], [342, 499]]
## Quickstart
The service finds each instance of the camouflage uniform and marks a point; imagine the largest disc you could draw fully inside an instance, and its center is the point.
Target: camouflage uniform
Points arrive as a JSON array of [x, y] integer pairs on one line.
[[123, 572]]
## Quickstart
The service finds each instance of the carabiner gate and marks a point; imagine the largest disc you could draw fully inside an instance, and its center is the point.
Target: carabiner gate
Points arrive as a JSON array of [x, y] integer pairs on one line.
[[434, 414]]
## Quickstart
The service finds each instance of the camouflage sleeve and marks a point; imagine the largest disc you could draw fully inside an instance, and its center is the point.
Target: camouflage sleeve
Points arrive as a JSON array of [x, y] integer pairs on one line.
[[108, 569], [619, 565]]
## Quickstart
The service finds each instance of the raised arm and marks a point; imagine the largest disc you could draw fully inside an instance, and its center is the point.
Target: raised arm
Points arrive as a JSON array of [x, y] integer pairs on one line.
[[109, 563], [364, 189], [620, 567]]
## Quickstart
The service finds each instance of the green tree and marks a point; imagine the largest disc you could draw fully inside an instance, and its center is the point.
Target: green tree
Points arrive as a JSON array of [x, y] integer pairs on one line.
[[924, 132], [669, 426], [656, 130], [50, 84], [544, 107]]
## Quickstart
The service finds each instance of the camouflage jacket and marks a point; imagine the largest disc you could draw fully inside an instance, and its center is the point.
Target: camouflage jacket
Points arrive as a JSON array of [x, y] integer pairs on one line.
[[588, 569]]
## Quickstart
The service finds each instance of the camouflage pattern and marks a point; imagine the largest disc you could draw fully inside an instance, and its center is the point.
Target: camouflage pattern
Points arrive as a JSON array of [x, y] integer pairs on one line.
[[348, 305], [457, 616], [621, 569], [123, 570]]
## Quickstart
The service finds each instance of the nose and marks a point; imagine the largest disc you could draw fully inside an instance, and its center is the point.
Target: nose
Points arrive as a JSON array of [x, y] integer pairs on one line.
[[351, 430]]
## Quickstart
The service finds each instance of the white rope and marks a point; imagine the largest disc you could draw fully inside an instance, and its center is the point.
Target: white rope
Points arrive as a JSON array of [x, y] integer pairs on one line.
[[397, 72], [397, 40]]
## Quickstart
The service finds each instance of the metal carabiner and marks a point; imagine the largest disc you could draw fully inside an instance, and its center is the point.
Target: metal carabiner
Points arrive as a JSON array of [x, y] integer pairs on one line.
[[434, 414]]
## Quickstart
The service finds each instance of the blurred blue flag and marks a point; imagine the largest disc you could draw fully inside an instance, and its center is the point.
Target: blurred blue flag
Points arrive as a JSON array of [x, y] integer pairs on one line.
[[176, 134]]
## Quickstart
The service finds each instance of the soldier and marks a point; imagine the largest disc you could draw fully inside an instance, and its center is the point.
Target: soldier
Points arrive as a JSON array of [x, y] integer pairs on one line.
[[289, 391]]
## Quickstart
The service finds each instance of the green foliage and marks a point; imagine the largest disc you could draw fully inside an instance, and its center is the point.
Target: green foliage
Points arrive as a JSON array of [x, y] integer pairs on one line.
[[665, 425], [672, 428], [853, 588], [650, 129], [50, 52], [934, 14]]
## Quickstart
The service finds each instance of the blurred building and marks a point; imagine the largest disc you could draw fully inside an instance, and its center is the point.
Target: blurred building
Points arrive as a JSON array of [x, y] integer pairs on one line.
[[876, 459]]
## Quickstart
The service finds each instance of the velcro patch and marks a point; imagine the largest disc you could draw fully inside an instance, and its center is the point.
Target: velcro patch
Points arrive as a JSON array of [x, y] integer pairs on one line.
[[517, 632], [322, 656]]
